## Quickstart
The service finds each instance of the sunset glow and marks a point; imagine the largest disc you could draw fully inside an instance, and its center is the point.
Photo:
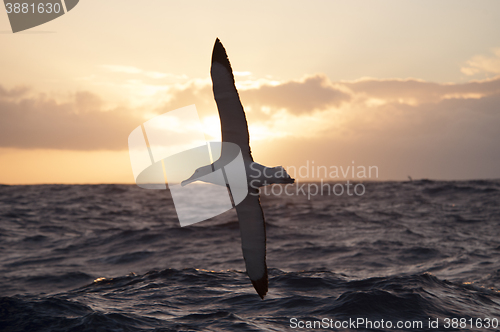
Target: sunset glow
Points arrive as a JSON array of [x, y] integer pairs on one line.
[[411, 87]]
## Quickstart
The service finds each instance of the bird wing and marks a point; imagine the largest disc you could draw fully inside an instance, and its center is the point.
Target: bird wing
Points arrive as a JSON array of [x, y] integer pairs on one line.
[[253, 240], [235, 130], [232, 116]]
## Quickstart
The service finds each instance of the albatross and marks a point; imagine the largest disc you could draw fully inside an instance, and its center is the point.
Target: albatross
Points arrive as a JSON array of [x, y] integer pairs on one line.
[[235, 130]]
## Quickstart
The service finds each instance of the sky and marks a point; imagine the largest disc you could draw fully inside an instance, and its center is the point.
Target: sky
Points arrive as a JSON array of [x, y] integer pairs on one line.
[[409, 87]]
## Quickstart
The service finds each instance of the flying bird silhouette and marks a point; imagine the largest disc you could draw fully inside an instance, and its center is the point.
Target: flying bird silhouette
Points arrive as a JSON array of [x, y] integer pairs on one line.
[[235, 130]]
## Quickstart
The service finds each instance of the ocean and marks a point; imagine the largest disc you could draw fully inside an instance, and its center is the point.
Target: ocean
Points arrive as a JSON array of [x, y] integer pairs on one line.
[[403, 256]]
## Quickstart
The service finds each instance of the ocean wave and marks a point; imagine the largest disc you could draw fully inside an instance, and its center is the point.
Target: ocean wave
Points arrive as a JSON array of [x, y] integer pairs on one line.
[[174, 299], [114, 258]]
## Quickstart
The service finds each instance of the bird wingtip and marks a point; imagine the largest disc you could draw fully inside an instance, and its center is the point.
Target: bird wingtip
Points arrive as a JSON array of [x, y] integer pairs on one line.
[[219, 55], [261, 286]]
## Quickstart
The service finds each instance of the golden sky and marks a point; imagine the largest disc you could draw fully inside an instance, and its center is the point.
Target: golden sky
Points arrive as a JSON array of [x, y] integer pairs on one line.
[[412, 87]]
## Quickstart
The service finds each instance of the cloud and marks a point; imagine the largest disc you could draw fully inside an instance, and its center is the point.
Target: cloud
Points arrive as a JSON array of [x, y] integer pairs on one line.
[[13, 93], [122, 69], [448, 139], [316, 97], [81, 123], [134, 70], [413, 91], [198, 92], [483, 64], [317, 93], [242, 73], [296, 97], [406, 127]]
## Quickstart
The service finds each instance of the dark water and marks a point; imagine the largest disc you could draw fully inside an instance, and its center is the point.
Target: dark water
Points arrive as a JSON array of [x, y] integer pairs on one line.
[[114, 258]]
